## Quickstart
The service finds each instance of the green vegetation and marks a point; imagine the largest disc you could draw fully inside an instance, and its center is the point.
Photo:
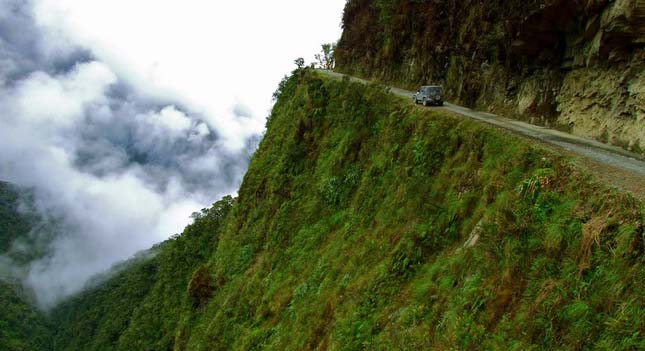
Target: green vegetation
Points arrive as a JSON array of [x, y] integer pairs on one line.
[[18, 219], [326, 57], [22, 327], [13, 225], [367, 223]]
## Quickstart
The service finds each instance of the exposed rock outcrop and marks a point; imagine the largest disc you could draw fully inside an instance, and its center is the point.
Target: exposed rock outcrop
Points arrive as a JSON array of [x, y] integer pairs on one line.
[[577, 65]]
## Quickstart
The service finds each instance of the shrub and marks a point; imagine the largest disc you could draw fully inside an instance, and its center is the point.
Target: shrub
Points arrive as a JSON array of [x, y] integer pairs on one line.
[[200, 288]]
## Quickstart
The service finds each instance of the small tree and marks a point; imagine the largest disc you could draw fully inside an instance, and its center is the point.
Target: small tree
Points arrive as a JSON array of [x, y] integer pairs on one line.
[[300, 62], [326, 57]]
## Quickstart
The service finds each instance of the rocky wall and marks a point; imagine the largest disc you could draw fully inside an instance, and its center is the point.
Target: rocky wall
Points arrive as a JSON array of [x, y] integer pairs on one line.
[[574, 65]]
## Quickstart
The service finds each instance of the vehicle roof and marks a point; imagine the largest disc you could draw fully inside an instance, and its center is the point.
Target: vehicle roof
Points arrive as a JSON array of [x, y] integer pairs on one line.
[[431, 86]]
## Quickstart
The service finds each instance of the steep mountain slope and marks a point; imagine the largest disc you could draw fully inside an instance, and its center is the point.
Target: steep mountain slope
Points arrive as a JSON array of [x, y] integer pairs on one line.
[[22, 326], [13, 224], [578, 65], [367, 223], [139, 306]]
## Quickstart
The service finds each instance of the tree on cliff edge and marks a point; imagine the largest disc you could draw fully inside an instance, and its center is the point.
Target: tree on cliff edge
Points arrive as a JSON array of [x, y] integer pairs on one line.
[[326, 57]]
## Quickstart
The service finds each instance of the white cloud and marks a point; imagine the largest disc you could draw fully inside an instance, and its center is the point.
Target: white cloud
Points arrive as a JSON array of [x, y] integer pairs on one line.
[[174, 120], [59, 101], [116, 207], [210, 55]]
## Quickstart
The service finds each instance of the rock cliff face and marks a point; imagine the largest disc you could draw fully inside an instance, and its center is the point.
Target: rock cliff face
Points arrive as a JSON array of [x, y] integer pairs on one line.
[[575, 65]]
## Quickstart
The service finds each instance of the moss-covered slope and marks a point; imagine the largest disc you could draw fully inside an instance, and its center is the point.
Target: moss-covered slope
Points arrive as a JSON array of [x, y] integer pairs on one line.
[[367, 223]]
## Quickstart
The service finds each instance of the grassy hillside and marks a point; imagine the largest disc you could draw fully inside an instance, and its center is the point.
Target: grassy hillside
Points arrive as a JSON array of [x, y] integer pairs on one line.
[[364, 222]]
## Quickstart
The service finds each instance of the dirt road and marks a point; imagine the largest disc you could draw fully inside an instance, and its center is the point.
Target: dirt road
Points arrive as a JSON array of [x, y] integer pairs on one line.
[[611, 164]]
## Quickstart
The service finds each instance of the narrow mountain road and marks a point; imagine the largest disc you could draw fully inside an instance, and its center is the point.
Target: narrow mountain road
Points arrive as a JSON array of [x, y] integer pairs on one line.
[[613, 165]]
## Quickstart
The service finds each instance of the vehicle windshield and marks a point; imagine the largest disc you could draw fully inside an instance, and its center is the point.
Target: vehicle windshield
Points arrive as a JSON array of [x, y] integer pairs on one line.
[[433, 90]]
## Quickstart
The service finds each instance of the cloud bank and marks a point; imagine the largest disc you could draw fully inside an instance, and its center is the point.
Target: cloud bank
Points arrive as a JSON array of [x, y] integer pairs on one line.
[[120, 128]]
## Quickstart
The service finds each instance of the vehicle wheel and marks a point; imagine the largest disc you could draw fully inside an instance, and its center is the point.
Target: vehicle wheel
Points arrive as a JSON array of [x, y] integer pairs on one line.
[[441, 103]]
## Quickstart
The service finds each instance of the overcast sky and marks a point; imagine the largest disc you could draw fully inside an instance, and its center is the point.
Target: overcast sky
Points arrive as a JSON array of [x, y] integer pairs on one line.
[[127, 116]]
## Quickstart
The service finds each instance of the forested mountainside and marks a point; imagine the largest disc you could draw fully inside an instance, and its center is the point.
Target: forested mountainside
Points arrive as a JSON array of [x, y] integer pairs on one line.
[[22, 326], [145, 304], [13, 224], [577, 65], [365, 222]]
